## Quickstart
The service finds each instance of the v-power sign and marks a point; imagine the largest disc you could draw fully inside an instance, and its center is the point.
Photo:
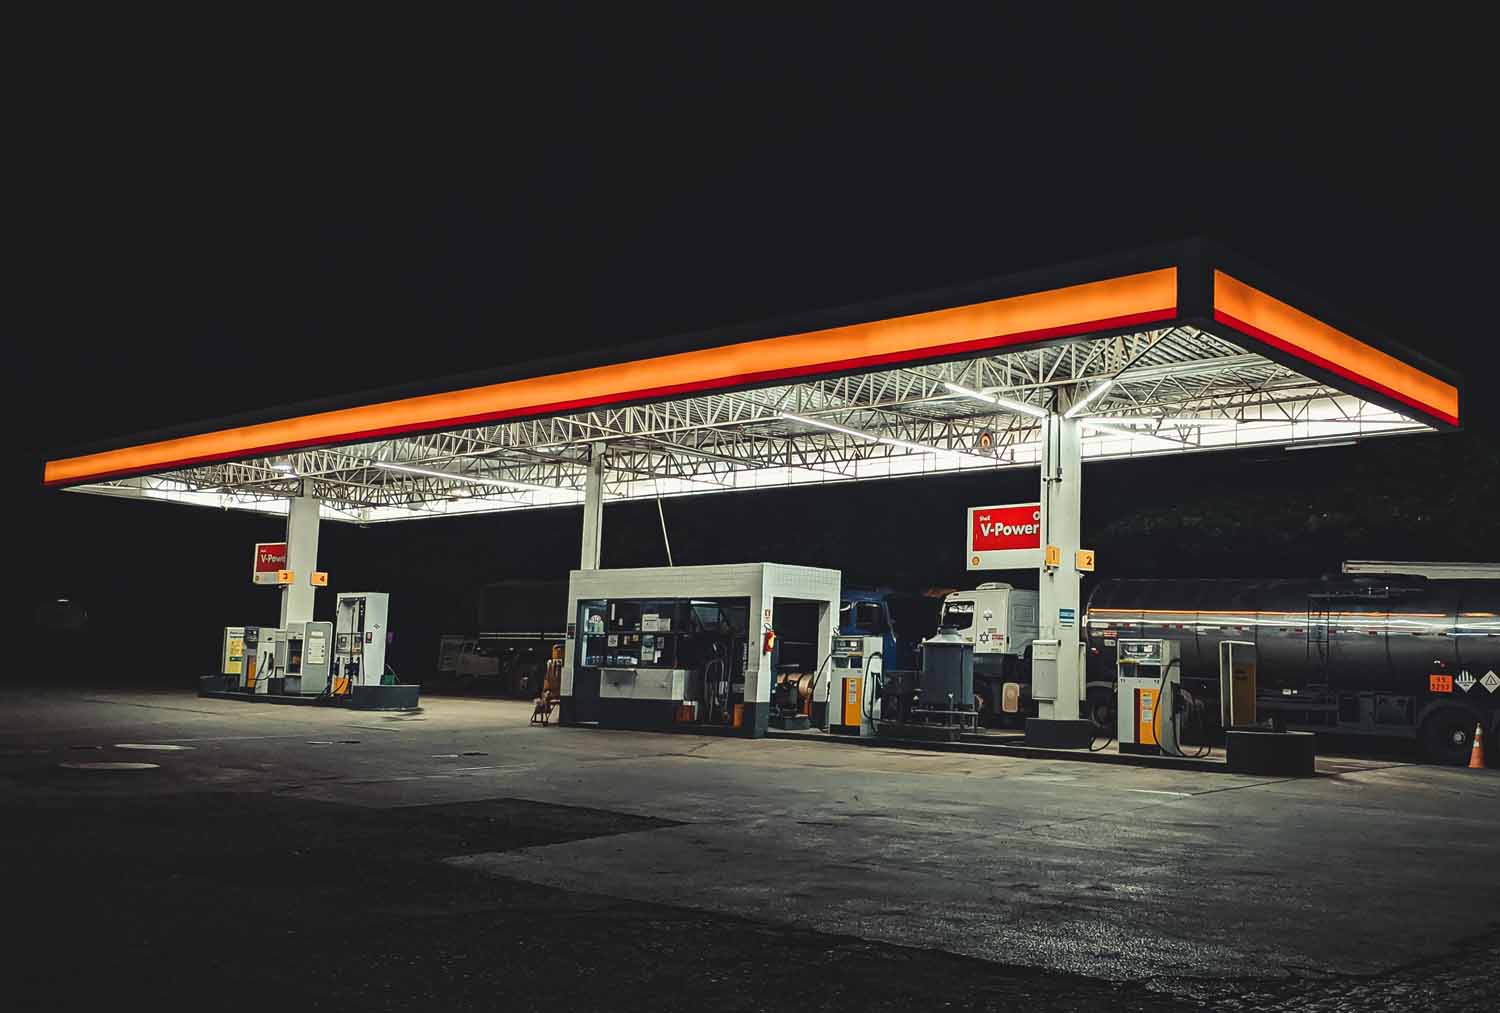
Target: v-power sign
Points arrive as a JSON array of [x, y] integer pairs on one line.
[[1004, 537]]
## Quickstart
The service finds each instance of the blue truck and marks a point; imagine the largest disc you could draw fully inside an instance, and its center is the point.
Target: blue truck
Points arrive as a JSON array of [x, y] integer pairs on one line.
[[901, 618]]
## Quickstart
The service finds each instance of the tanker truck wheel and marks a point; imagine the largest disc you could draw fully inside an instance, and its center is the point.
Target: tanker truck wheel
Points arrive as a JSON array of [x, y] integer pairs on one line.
[[1100, 702], [1448, 735]]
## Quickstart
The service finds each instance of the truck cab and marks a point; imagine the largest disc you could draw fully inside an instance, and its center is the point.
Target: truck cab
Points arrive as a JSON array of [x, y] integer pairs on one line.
[[1001, 622], [901, 620]]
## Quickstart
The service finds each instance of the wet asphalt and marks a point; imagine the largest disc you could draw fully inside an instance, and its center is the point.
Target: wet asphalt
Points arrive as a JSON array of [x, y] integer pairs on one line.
[[458, 858]]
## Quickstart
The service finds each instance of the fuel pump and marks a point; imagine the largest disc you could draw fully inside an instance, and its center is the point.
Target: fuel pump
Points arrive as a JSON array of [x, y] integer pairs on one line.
[[1148, 683], [269, 652], [232, 655], [854, 705], [359, 634], [307, 657]]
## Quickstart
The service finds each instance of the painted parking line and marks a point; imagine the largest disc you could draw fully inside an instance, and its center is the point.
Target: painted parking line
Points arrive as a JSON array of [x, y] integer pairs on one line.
[[1152, 791]]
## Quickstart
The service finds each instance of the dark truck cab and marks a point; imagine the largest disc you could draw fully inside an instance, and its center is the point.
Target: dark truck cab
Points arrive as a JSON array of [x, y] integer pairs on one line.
[[901, 619]]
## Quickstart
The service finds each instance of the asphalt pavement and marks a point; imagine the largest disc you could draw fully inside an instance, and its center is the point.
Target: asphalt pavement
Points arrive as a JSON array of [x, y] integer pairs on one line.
[[459, 857]]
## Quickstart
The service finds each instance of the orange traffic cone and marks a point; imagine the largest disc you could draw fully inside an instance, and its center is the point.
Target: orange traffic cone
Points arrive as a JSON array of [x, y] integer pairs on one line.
[[1476, 755]]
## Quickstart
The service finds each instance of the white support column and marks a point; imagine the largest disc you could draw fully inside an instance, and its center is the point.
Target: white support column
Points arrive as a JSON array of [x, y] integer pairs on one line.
[[828, 622], [593, 510], [1062, 502], [297, 598], [758, 672]]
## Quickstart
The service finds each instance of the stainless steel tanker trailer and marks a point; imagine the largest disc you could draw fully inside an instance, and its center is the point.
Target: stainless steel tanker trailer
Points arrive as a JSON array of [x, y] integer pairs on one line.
[[1364, 653]]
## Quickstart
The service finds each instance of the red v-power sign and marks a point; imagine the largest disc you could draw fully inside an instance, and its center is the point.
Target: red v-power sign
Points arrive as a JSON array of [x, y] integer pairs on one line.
[[1004, 537]]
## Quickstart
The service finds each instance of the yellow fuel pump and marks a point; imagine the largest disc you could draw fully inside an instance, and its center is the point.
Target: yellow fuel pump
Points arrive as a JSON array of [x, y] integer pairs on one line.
[[1148, 674]]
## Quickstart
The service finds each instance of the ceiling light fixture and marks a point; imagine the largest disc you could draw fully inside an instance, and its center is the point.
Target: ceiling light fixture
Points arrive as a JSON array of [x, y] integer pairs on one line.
[[472, 479], [1127, 434], [1321, 445], [889, 441], [1141, 420], [995, 399], [1091, 396]]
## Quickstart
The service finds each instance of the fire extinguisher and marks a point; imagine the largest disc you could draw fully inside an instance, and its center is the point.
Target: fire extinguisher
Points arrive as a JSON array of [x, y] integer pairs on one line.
[[769, 643]]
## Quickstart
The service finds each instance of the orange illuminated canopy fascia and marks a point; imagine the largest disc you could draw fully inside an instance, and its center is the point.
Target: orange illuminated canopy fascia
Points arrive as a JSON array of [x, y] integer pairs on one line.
[[1126, 301], [1294, 332]]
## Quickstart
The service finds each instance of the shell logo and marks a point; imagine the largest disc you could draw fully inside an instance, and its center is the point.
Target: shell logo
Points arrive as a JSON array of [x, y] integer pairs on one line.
[[976, 560]]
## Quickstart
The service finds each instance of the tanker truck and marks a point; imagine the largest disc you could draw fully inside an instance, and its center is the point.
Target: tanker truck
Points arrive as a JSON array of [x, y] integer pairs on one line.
[[1398, 655], [1393, 650]]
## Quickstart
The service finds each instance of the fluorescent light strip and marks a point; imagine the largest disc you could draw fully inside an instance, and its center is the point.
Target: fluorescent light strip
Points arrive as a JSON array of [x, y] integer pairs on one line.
[[827, 425], [1321, 445], [889, 441], [1092, 395], [473, 479], [1140, 420], [995, 399], [1127, 434]]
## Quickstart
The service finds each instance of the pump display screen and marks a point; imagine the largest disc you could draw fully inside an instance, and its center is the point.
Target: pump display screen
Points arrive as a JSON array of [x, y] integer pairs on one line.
[[1140, 650]]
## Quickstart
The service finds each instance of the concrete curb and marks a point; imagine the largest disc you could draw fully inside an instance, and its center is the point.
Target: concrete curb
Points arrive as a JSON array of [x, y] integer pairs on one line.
[[295, 701], [1000, 749], [374, 702]]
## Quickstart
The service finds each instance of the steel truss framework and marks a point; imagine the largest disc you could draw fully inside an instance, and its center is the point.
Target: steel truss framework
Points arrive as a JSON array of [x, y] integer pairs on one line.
[[1220, 396]]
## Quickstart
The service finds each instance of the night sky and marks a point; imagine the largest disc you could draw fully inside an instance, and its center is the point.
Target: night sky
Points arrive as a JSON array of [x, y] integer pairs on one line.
[[203, 230]]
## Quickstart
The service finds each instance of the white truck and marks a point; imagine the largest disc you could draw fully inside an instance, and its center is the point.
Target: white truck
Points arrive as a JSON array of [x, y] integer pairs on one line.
[[1001, 622]]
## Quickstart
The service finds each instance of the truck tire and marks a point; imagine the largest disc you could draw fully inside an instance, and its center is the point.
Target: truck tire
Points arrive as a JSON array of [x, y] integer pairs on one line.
[[987, 702], [1447, 735], [1099, 704]]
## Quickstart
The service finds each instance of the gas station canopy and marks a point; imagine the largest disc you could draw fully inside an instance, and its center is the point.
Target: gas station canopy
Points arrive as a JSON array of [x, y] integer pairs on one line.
[[1170, 350]]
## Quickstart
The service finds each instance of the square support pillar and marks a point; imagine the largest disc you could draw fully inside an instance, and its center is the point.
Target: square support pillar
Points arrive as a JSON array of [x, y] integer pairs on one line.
[[1062, 502], [593, 510], [298, 597]]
